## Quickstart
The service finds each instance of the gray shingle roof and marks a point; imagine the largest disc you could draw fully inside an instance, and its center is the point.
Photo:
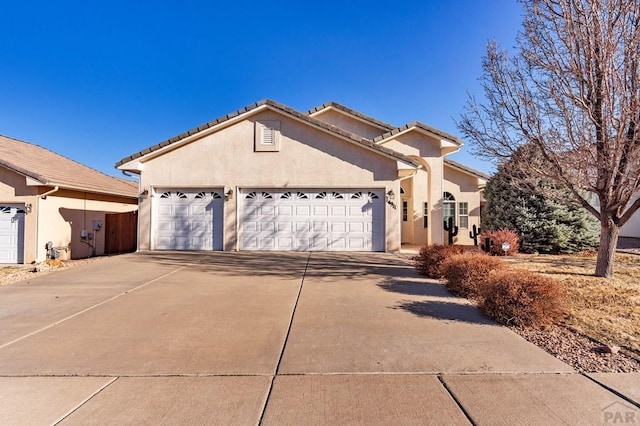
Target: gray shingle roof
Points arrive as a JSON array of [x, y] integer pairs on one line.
[[51, 169], [368, 143]]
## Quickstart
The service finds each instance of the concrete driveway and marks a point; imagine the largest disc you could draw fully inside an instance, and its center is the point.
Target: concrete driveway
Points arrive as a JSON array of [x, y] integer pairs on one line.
[[274, 338]]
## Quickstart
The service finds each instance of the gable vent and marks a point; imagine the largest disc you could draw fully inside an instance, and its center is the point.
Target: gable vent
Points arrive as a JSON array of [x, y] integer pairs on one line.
[[267, 136]]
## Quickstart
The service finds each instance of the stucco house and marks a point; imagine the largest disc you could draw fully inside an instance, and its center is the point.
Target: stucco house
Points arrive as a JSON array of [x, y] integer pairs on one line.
[[48, 198], [631, 229], [268, 177]]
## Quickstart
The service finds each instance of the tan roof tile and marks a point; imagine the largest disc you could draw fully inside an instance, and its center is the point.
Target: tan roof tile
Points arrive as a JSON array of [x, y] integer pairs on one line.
[[52, 169], [289, 111]]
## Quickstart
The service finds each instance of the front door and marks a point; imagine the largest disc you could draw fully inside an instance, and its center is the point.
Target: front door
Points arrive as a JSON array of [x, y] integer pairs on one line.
[[406, 217]]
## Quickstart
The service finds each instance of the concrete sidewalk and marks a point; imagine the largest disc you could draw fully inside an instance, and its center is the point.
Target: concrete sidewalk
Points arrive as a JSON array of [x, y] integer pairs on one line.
[[276, 338]]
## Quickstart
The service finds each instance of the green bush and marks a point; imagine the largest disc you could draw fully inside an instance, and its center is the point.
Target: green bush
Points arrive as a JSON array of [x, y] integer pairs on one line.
[[521, 298], [465, 273], [525, 203], [429, 261]]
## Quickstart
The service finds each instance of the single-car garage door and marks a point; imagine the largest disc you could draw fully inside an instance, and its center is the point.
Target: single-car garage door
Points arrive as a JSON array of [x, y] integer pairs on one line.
[[322, 220], [11, 234], [189, 219]]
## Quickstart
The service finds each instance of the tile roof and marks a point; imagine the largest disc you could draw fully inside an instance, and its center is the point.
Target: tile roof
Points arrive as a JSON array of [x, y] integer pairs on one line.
[[367, 143], [352, 112], [51, 169], [393, 130], [421, 126], [467, 169]]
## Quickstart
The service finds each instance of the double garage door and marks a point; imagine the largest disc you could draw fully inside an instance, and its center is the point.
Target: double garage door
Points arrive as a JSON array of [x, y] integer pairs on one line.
[[11, 234], [301, 220]]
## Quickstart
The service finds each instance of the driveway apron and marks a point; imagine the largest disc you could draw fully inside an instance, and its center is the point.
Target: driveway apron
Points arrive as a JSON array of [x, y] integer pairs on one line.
[[273, 338]]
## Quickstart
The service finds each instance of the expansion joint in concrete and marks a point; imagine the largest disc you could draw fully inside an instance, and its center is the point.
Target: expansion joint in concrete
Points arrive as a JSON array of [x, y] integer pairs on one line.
[[89, 398], [286, 339], [455, 399], [613, 391]]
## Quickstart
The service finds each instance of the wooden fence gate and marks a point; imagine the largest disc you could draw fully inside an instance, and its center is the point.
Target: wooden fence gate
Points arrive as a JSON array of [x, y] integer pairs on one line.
[[121, 232]]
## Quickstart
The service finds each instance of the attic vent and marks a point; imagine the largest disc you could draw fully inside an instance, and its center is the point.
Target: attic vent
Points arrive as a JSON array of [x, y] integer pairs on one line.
[[267, 138]]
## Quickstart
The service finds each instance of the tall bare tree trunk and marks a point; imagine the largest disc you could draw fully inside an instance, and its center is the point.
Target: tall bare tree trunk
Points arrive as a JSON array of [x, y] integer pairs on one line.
[[609, 233]]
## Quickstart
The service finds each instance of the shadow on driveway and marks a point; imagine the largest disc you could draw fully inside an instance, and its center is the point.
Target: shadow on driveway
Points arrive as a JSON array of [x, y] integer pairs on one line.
[[287, 264], [444, 311]]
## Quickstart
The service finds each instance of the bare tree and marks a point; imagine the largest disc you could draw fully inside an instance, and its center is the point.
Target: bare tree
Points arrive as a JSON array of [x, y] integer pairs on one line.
[[571, 89]]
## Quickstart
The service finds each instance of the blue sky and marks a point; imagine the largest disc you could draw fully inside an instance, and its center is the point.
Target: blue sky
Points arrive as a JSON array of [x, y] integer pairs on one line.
[[97, 81]]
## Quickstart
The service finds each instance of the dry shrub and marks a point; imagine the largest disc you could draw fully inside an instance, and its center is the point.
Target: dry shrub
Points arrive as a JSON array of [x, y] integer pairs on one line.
[[464, 273], [429, 261], [497, 238], [521, 298]]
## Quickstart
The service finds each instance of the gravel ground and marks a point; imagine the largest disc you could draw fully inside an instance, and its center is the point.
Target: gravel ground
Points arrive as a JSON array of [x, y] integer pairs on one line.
[[579, 351], [12, 274]]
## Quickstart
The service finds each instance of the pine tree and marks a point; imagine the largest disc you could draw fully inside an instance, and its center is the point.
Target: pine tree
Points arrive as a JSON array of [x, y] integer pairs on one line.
[[543, 225]]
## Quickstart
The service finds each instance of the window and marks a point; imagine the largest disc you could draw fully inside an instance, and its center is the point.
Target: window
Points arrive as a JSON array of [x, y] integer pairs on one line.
[[448, 207], [463, 212], [425, 215], [405, 211]]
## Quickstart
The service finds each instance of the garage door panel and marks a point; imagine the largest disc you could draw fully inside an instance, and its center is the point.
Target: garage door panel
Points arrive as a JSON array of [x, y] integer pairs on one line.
[[337, 220], [267, 226], [189, 220], [11, 234], [338, 227], [339, 243], [320, 210], [250, 226], [303, 210], [338, 210], [357, 243], [303, 227], [285, 226], [320, 226]]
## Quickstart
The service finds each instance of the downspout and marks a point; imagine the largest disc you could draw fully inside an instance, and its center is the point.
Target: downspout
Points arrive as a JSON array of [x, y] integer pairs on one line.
[[44, 197]]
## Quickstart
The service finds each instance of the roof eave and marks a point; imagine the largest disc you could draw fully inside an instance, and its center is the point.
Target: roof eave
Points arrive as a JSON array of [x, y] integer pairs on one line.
[[133, 194]]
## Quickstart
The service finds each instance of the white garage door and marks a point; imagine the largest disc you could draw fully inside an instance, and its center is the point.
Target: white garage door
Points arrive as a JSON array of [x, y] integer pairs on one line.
[[11, 234], [322, 220], [189, 220]]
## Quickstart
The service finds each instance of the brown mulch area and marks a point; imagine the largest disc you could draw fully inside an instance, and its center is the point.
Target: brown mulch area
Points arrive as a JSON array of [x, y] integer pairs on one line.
[[579, 351], [21, 273]]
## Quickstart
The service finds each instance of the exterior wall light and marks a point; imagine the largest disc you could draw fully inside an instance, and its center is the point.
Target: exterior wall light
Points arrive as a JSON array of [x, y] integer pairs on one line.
[[27, 208], [391, 196], [228, 195]]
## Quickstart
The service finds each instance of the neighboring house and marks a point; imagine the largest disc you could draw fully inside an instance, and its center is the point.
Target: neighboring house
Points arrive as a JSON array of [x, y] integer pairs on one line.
[[267, 177], [632, 227], [45, 197]]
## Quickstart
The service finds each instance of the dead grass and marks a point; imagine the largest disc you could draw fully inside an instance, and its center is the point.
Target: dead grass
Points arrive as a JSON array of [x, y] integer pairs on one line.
[[605, 310]]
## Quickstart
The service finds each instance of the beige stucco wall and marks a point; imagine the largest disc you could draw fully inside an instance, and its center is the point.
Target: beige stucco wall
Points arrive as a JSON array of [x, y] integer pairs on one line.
[[14, 190], [350, 124], [632, 227], [464, 188], [60, 217], [427, 185], [308, 158], [64, 214]]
